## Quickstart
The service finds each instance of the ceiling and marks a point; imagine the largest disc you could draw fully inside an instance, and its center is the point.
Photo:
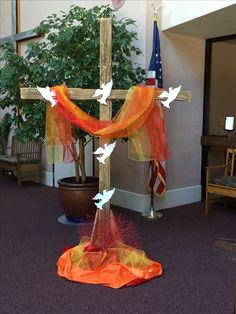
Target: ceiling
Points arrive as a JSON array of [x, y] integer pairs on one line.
[[216, 24]]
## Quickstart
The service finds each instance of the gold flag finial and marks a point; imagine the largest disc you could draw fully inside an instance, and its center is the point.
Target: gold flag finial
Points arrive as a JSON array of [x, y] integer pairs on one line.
[[155, 9]]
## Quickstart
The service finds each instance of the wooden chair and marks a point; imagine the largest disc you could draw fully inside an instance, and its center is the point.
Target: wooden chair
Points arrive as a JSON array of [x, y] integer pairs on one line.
[[24, 161], [223, 185]]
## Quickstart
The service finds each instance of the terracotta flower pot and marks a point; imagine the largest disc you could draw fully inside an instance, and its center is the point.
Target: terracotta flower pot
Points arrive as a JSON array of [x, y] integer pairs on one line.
[[76, 198]]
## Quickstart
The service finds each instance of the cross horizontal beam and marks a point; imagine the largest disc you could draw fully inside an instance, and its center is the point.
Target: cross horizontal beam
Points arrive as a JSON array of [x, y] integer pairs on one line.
[[85, 94]]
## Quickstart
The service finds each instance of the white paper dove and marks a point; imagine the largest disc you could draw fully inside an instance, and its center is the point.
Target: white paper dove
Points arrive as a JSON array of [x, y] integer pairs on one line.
[[105, 197], [173, 92], [105, 92], [48, 95], [106, 152]]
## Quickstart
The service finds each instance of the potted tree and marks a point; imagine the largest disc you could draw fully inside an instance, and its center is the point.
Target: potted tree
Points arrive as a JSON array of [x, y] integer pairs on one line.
[[70, 55]]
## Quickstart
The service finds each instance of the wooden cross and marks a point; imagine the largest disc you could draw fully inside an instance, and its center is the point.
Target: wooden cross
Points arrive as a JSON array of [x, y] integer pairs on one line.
[[85, 94], [17, 36]]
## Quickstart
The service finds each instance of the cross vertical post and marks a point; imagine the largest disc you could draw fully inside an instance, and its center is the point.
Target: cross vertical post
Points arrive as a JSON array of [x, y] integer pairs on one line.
[[105, 110], [105, 114]]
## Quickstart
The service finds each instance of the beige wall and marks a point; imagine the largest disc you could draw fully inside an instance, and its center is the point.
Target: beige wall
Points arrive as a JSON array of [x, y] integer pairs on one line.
[[5, 15], [182, 11], [183, 63]]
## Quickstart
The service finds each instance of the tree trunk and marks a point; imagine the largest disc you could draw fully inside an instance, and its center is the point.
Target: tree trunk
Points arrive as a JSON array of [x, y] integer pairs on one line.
[[82, 160], [80, 174]]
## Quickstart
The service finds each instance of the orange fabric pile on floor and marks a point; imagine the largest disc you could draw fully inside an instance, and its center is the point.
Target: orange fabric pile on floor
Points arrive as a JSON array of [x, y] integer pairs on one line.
[[104, 259], [114, 267]]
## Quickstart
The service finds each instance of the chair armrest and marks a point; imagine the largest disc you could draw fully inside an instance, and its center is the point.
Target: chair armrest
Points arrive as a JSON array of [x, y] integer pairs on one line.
[[215, 167], [209, 170], [19, 156]]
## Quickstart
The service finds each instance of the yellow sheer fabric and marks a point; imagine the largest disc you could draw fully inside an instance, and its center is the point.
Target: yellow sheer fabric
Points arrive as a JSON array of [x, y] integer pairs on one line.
[[140, 119]]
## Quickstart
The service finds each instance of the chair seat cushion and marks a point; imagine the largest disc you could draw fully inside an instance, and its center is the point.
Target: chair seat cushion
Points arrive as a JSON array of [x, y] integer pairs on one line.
[[225, 181], [12, 159]]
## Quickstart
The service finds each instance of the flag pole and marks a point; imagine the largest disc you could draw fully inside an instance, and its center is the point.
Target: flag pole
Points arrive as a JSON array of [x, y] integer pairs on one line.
[[153, 214]]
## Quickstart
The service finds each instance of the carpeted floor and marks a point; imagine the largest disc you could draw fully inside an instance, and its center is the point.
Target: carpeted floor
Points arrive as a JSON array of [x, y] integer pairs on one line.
[[197, 278]]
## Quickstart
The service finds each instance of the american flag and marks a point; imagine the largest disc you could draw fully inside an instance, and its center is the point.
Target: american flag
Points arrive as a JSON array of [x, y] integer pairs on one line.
[[157, 179], [154, 76]]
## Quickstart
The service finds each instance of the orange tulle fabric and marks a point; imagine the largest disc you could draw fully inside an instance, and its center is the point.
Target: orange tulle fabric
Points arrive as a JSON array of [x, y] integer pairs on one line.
[[114, 267], [59, 137], [140, 119]]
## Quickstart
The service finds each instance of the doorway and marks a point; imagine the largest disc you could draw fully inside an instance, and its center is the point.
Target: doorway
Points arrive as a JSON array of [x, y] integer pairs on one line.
[[219, 99]]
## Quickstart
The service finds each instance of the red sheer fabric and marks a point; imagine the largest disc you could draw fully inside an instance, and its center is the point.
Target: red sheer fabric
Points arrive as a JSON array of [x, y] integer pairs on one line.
[[140, 119]]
